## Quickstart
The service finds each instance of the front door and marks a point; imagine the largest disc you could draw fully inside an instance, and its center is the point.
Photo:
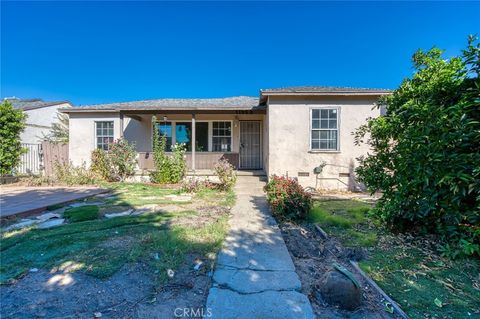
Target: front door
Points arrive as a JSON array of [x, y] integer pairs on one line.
[[250, 145]]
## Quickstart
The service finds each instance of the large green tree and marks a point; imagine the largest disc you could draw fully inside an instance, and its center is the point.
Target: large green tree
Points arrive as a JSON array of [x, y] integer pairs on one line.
[[426, 149], [12, 123]]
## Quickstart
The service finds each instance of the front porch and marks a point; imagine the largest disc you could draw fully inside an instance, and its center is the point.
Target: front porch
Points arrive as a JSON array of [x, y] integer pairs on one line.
[[209, 137]]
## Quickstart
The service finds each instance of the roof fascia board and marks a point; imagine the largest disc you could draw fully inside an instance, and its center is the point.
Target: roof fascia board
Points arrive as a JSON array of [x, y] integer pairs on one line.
[[324, 93]]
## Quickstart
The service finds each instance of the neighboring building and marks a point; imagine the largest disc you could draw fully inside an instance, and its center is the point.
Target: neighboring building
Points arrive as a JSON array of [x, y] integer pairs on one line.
[[288, 131], [40, 117]]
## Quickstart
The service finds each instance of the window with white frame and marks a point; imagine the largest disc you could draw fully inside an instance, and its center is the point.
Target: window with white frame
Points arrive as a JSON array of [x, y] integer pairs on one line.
[[324, 126], [222, 136], [104, 134]]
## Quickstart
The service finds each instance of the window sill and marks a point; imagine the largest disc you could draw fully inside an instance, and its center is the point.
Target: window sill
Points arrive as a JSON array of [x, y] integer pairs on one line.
[[324, 151]]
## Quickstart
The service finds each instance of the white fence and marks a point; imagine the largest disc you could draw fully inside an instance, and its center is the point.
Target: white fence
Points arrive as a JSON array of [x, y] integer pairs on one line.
[[30, 161]]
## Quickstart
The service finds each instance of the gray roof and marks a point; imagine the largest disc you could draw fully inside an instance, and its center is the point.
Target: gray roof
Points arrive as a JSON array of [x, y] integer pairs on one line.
[[229, 103], [31, 104], [323, 89]]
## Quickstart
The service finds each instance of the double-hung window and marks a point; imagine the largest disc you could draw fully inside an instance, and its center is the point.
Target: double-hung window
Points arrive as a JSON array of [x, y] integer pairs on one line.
[[222, 137], [324, 126], [104, 134]]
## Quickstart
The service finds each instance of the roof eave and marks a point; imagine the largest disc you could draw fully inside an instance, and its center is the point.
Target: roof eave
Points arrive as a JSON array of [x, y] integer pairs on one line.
[[340, 93], [117, 110]]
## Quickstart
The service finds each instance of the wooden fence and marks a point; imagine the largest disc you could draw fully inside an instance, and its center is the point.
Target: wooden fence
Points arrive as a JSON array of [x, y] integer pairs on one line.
[[52, 153]]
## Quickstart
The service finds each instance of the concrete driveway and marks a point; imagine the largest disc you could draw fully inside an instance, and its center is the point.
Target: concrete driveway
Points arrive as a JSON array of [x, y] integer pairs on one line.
[[19, 200]]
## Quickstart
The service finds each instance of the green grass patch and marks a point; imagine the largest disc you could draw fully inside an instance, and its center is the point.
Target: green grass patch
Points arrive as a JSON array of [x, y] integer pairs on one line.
[[215, 197], [410, 274], [345, 219], [415, 279], [139, 194], [100, 247], [82, 213]]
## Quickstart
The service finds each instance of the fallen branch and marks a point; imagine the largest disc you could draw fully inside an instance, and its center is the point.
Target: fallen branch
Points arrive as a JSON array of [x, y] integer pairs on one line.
[[322, 233]]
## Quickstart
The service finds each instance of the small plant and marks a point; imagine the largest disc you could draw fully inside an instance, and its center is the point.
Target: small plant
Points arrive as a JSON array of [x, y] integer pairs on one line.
[[100, 166], [194, 185], [168, 168], [122, 160], [287, 198], [83, 213], [68, 174], [225, 173]]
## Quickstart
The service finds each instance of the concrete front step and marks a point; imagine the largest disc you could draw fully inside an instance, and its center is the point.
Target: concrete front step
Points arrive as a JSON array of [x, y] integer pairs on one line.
[[254, 281], [228, 304]]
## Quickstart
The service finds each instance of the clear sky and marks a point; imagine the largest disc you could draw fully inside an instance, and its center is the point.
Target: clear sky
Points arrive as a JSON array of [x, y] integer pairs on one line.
[[96, 52]]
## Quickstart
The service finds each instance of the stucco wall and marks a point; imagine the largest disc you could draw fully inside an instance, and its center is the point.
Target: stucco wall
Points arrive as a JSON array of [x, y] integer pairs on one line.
[[288, 121], [82, 134], [39, 122], [82, 130]]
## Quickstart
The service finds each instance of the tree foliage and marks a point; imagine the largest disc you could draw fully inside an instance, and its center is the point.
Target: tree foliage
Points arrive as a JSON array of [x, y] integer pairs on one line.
[[12, 123], [426, 150], [60, 130]]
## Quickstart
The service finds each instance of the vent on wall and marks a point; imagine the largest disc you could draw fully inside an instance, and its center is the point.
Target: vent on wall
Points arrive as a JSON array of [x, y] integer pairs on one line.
[[303, 174], [344, 174]]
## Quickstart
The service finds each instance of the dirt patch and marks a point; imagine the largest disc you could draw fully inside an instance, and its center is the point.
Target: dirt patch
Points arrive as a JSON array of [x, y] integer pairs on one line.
[[313, 256], [205, 215], [123, 242], [130, 293]]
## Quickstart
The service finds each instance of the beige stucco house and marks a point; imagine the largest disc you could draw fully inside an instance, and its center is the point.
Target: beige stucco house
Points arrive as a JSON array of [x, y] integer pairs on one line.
[[287, 131]]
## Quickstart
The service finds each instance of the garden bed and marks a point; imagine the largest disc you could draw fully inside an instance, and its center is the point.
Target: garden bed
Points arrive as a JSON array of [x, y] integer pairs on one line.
[[409, 269]]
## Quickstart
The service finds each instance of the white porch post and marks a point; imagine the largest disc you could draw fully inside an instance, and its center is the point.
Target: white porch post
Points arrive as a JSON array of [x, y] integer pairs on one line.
[[121, 125], [193, 143]]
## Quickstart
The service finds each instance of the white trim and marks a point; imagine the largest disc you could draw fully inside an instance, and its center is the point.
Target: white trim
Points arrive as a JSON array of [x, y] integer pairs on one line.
[[324, 107], [95, 142]]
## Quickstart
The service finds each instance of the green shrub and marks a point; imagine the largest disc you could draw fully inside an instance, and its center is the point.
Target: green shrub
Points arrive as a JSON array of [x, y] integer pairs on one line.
[[225, 173], [66, 173], [426, 154], [82, 213], [122, 159], [169, 169], [287, 198], [12, 123], [100, 165]]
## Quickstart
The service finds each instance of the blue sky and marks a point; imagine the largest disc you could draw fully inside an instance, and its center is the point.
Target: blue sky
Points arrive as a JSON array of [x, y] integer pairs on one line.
[[96, 52]]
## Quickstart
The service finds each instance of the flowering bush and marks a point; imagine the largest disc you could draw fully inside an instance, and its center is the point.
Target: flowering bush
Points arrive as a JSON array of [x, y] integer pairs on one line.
[[116, 164], [122, 160], [225, 173], [287, 198]]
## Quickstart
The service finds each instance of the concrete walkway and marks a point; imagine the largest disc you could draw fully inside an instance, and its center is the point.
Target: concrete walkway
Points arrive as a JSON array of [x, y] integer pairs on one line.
[[255, 276], [22, 200]]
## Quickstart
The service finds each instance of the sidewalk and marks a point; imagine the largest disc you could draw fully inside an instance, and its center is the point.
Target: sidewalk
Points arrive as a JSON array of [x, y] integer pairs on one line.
[[22, 200], [255, 276]]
